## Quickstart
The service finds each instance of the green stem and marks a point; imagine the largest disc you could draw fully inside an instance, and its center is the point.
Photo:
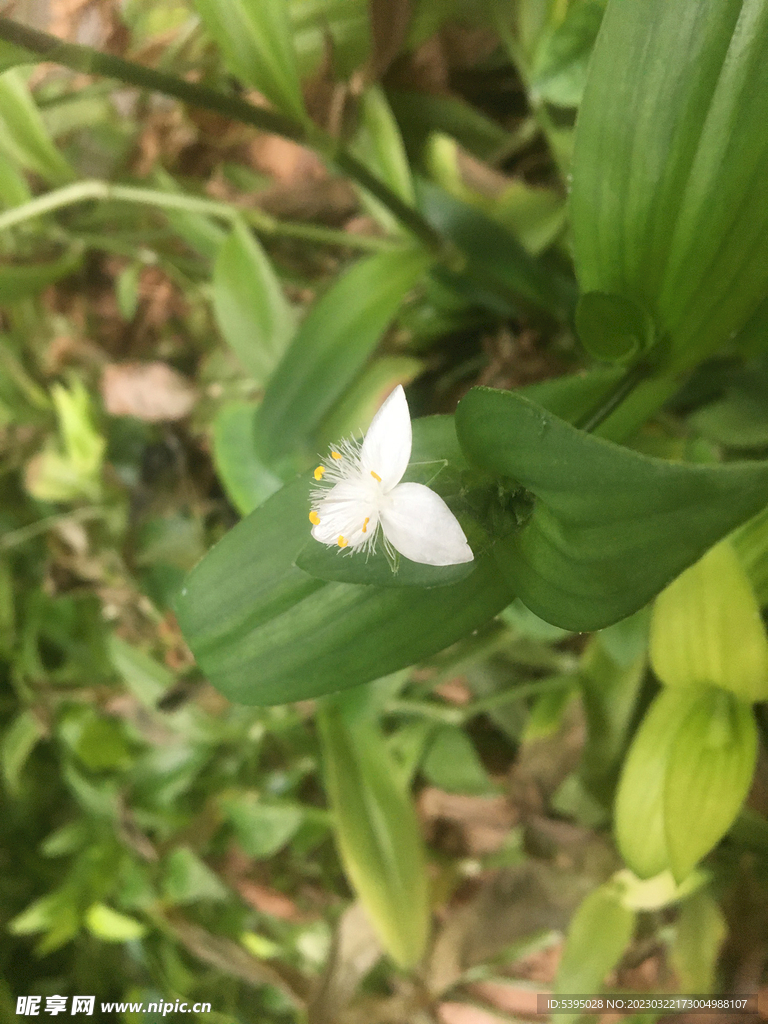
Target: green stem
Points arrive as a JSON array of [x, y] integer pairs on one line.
[[610, 402], [85, 59], [82, 191], [13, 538]]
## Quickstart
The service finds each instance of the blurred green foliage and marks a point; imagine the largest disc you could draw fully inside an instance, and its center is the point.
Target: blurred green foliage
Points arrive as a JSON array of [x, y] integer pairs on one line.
[[191, 309]]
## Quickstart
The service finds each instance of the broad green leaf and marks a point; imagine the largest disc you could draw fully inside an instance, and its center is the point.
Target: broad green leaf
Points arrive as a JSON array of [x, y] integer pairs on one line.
[[657, 892], [187, 879], [610, 527], [710, 769], [109, 926], [668, 206], [558, 70], [329, 563], [23, 136], [377, 831], [639, 813], [706, 629], [264, 632], [251, 311], [261, 828], [19, 280], [14, 189], [598, 934], [333, 343], [497, 265], [452, 763], [256, 40], [700, 930], [246, 480]]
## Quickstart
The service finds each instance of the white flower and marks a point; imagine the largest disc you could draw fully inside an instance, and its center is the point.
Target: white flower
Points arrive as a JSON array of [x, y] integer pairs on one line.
[[360, 491]]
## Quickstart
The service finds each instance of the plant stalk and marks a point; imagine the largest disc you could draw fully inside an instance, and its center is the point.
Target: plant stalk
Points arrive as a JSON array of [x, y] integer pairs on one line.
[[83, 191], [89, 61]]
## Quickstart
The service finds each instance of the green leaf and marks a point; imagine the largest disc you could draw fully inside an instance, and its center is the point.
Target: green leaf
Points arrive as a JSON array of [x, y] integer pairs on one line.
[[706, 629], [353, 413], [421, 113], [558, 71], [377, 831], [247, 481], [11, 55], [264, 632], [379, 144], [452, 763], [668, 203], [146, 678], [330, 563], [751, 544], [256, 40], [498, 266], [261, 829], [19, 741], [598, 934], [613, 328], [18, 280], [251, 310], [330, 348], [23, 136], [639, 819], [109, 926], [700, 930], [187, 879], [610, 527], [710, 769]]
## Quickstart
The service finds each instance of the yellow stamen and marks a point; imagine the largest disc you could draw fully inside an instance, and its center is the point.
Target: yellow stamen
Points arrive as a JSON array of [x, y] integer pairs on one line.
[[319, 472], [314, 518], [365, 524], [335, 455], [375, 476], [342, 542]]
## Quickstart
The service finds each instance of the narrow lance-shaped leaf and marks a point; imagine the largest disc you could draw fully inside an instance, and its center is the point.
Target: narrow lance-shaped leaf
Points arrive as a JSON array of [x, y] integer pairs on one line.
[[376, 828], [610, 527], [264, 632], [23, 135], [256, 39], [668, 202], [332, 345], [251, 311]]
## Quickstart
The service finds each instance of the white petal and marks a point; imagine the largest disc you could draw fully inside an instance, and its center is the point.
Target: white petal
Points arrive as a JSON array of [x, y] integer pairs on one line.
[[346, 512], [386, 449], [419, 524]]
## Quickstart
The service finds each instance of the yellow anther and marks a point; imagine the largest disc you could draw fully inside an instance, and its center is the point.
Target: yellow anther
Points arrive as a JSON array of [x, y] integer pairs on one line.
[[342, 542], [319, 472], [314, 518], [335, 455], [375, 476], [365, 524]]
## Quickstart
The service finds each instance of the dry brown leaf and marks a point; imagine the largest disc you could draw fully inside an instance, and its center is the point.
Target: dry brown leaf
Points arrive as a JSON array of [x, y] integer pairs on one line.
[[153, 392], [269, 901], [508, 998], [355, 951], [483, 821]]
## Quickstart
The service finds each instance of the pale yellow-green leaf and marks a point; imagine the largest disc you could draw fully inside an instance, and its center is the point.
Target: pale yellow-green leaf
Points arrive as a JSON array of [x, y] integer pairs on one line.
[[706, 629]]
